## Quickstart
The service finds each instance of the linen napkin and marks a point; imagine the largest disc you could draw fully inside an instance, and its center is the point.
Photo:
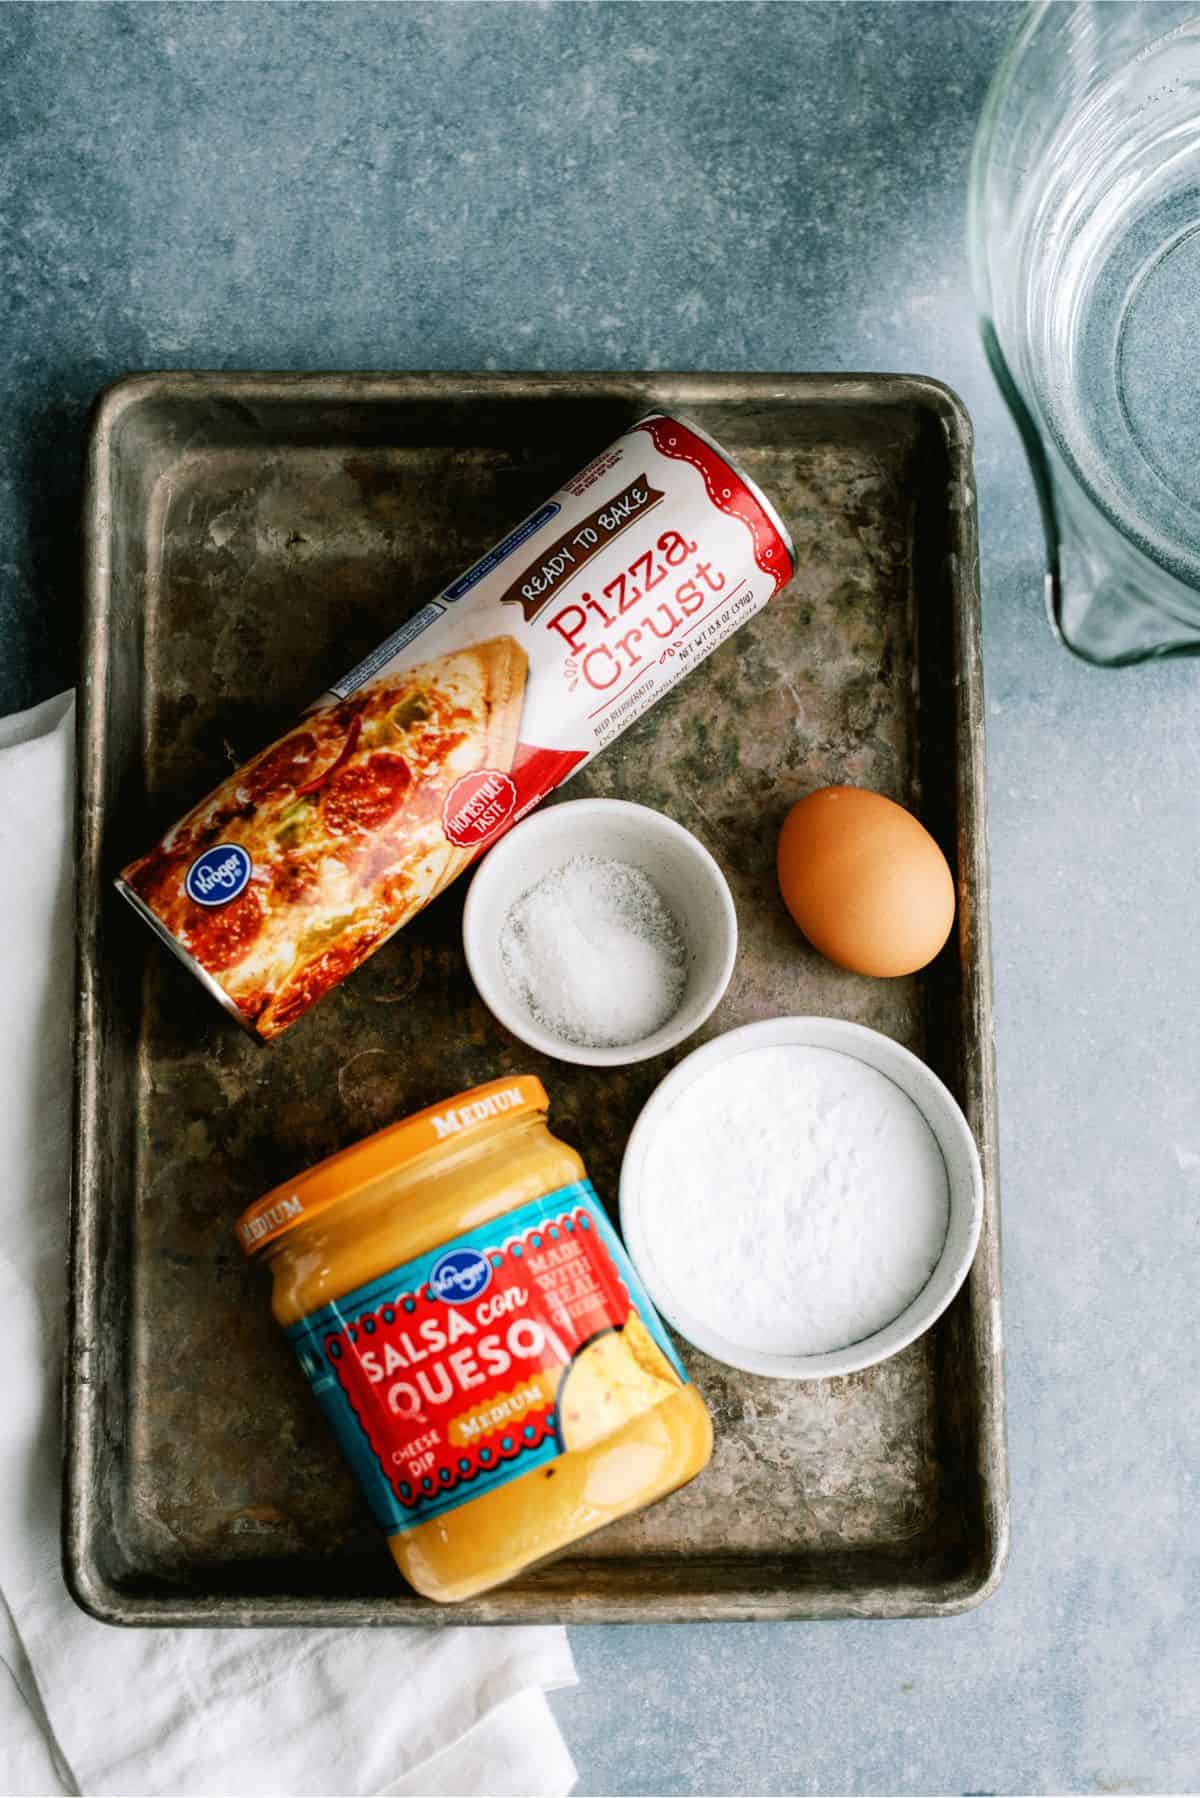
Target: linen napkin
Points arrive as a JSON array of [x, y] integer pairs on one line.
[[85, 1708]]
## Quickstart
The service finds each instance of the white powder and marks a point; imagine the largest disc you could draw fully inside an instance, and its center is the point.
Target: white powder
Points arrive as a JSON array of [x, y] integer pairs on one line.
[[795, 1200], [594, 953]]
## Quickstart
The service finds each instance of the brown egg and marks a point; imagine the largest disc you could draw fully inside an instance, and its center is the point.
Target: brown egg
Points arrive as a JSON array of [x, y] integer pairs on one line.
[[865, 881]]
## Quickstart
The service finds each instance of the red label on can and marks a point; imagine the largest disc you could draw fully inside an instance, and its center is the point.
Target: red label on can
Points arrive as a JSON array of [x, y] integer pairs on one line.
[[302, 862]]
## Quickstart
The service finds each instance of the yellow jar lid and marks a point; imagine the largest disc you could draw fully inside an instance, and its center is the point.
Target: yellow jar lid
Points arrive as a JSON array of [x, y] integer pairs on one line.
[[479, 1112]]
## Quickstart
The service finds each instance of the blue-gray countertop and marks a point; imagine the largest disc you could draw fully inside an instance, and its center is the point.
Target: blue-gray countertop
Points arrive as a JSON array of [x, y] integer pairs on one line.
[[742, 187]]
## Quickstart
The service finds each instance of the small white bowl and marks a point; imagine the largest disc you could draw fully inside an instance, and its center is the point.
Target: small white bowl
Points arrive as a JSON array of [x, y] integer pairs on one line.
[[692, 885], [964, 1176]]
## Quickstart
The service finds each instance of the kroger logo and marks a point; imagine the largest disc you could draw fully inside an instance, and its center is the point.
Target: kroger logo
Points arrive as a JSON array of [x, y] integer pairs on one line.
[[218, 875], [461, 1275]]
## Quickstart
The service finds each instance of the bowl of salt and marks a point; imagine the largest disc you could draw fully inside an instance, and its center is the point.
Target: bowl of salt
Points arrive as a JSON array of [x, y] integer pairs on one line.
[[600, 932]]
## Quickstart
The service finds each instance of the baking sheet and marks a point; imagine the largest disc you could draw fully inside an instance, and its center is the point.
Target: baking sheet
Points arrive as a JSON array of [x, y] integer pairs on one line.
[[248, 538]]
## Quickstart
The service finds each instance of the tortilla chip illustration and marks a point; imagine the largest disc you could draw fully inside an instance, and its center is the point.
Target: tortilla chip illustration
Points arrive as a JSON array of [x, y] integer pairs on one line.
[[615, 1377]]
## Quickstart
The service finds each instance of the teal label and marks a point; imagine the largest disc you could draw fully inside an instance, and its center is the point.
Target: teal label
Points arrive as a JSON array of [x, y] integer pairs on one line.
[[455, 1372]]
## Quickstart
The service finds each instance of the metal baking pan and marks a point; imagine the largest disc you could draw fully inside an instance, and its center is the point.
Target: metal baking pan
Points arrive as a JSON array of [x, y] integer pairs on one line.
[[247, 537]]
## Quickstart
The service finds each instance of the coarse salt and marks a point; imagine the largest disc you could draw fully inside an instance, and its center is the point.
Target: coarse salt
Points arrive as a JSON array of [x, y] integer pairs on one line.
[[795, 1200], [595, 955]]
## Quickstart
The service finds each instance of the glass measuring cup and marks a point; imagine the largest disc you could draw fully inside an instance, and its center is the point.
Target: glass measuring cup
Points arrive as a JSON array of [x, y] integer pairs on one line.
[[1085, 251]]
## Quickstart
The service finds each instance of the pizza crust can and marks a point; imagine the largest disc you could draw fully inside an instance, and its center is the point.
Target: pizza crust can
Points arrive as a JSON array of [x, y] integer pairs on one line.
[[294, 870]]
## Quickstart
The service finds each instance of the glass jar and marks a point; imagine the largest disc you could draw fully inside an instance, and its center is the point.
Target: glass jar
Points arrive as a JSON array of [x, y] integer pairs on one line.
[[477, 1337], [1085, 249]]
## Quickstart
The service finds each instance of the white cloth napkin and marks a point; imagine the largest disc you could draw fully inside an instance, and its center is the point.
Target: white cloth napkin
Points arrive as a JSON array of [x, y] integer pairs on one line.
[[85, 1708]]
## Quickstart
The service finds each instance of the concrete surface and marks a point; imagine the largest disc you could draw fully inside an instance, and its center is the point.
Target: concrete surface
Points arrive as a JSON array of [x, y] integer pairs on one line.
[[724, 186]]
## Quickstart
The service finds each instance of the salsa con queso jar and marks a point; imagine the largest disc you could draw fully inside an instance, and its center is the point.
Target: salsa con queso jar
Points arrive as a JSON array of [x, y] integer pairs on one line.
[[476, 1335]]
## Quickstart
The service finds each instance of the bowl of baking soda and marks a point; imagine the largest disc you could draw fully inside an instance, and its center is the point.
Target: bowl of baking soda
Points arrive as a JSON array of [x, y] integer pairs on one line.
[[802, 1197], [600, 932]]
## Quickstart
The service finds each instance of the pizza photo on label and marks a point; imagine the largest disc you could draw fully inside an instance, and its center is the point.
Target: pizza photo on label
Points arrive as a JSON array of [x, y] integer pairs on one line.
[[302, 863]]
